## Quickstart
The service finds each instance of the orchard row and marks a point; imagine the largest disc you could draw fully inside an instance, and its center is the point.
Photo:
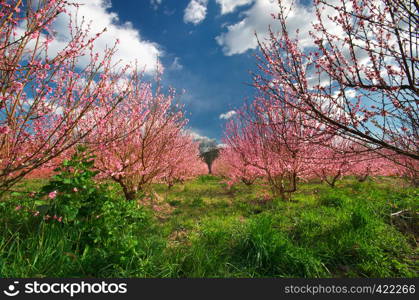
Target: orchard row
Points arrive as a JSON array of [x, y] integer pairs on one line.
[[344, 104]]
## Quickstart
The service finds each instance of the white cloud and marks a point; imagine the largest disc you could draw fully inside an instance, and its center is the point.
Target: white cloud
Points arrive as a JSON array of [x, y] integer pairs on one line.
[[240, 36], [198, 137], [229, 6], [351, 93], [155, 3], [205, 143], [132, 47], [228, 115], [195, 12], [176, 65]]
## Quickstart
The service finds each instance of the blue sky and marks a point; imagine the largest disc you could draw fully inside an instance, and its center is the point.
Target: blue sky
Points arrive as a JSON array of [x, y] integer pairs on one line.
[[206, 47], [193, 60]]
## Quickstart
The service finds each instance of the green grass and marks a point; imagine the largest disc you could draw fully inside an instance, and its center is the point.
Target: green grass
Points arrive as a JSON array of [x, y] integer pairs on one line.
[[213, 231]]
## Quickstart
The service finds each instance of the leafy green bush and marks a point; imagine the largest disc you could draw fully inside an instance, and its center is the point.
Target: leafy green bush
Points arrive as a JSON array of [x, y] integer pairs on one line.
[[115, 237], [73, 194], [79, 228]]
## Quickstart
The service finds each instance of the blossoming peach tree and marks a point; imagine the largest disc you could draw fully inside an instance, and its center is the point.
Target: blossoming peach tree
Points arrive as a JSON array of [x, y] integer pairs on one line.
[[274, 141], [355, 73], [142, 140], [45, 92]]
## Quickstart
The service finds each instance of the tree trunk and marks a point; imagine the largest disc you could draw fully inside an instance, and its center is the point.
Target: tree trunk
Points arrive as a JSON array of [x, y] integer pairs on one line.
[[247, 182], [333, 180], [129, 194], [362, 178]]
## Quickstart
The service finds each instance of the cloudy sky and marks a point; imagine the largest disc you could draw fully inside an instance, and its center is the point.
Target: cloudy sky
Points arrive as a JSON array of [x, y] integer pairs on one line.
[[206, 47]]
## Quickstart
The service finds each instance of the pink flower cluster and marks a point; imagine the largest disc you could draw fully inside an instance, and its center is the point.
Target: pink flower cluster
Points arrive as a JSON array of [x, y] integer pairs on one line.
[[52, 195]]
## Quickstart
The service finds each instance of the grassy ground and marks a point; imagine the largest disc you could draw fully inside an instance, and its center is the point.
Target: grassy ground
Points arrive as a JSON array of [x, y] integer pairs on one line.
[[203, 229]]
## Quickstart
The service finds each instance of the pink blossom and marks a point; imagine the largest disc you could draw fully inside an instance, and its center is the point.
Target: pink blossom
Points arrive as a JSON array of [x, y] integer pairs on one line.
[[40, 133], [52, 195], [17, 85], [382, 75], [4, 129], [35, 35], [134, 159]]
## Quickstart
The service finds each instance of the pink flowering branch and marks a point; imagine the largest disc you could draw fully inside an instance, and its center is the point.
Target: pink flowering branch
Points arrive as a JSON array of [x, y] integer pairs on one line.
[[44, 98], [358, 80], [137, 144]]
